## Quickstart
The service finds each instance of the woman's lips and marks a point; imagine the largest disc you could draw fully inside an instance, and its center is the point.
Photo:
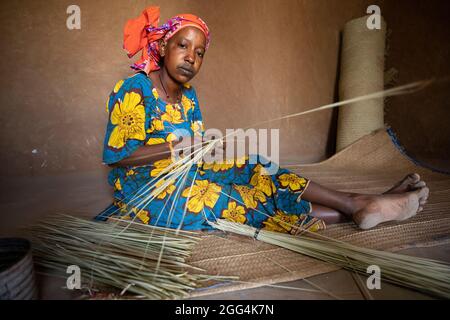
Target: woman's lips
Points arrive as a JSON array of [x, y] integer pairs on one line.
[[186, 71]]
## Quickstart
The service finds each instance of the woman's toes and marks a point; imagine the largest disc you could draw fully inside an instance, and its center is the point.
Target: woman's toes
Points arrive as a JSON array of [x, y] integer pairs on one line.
[[422, 194], [419, 184], [415, 182], [414, 178], [410, 178], [408, 183]]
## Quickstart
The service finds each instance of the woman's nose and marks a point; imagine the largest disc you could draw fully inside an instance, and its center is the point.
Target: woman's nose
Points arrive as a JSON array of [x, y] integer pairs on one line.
[[190, 57]]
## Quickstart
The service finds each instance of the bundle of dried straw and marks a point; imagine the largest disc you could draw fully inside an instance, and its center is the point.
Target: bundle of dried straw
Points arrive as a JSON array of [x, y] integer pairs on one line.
[[146, 261]]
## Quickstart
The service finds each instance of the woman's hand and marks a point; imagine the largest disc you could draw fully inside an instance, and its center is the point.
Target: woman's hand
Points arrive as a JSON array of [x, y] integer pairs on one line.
[[186, 146]]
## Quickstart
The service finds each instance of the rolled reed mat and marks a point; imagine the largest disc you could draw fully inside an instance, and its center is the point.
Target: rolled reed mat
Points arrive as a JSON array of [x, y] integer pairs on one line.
[[362, 72]]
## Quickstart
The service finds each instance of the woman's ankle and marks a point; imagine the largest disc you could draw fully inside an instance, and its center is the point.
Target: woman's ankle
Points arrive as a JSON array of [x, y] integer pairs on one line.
[[356, 202]]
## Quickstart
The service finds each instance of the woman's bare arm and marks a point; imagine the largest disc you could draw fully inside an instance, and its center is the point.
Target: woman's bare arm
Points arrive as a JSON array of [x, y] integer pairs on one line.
[[145, 155], [148, 154]]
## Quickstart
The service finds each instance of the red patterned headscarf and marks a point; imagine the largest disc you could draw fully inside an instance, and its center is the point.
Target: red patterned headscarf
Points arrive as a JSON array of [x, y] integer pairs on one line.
[[143, 34]]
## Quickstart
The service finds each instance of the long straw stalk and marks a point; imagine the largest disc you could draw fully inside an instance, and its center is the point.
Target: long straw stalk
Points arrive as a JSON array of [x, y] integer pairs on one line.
[[426, 275]]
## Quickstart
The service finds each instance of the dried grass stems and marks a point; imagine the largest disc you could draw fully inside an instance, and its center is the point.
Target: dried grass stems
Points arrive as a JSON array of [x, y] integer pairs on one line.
[[425, 275], [128, 260]]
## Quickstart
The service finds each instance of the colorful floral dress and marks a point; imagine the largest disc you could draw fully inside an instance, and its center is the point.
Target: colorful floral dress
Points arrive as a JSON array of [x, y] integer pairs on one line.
[[236, 190]]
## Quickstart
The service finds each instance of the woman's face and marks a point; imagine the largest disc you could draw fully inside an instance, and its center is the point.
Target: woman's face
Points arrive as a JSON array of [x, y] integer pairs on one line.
[[183, 54]]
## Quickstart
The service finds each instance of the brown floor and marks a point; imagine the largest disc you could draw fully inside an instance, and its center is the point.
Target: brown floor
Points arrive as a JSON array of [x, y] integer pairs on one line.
[[25, 200]]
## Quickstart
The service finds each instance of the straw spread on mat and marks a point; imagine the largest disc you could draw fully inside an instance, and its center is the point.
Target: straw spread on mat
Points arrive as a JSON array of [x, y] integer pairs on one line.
[[145, 261]]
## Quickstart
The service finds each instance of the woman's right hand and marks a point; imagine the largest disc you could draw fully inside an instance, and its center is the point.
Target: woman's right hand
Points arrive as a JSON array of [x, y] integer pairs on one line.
[[186, 145]]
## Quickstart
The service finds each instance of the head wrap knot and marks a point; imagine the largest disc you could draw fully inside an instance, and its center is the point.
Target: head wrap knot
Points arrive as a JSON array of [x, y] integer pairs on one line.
[[143, 34]]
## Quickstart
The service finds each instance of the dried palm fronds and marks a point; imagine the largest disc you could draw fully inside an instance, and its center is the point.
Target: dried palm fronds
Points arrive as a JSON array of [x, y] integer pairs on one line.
[[426, 275], [144, 260]]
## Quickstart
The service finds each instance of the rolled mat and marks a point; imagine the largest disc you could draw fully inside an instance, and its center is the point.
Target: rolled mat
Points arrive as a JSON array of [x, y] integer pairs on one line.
[[362, 72]]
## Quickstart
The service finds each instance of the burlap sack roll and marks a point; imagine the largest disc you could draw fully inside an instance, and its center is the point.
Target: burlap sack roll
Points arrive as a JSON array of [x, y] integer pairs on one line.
[[362, 68]]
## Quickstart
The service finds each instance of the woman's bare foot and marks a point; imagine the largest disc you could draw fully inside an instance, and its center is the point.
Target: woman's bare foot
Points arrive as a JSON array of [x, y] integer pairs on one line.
[[374, 210], [409, 183]]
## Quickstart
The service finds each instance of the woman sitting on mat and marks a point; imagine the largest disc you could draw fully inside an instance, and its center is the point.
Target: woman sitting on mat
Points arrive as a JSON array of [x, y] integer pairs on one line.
[[146, 111]]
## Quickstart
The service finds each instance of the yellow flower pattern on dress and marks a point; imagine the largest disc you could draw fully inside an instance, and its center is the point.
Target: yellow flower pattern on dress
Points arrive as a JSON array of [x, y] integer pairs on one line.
[[152, 141], [117, 184], [143, 215], [224, 166], [197, 127], [168, 190], [218, 166], [159, 166], [250, 196], [128, 117], [118, 86], [171, 137], [312, 225], [234, 213], [187, 104], [203, 193], [292, 181], [155, 93], [281, 222], [262, 181], [156, 125], [240, 162], [172, 115], [122, 206], [293, 223]]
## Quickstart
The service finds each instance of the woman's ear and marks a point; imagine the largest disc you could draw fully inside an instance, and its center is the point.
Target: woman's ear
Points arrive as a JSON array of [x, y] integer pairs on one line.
[[162, 48]]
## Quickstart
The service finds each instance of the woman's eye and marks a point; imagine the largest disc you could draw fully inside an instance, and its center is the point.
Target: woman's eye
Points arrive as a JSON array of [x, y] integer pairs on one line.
[[182, 45], [200, 54]]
